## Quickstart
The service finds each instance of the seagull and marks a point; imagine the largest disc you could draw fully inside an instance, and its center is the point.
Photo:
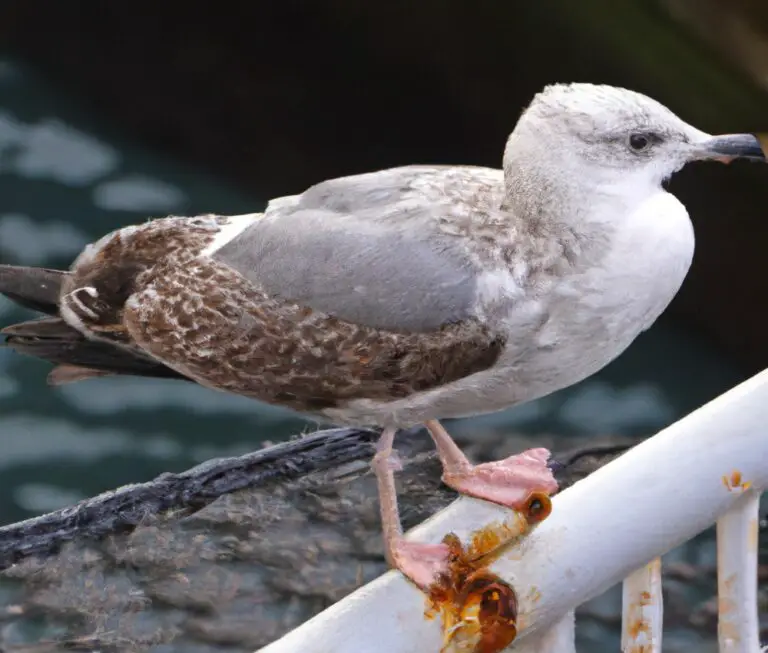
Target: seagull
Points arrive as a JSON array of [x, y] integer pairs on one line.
[[408, 295]]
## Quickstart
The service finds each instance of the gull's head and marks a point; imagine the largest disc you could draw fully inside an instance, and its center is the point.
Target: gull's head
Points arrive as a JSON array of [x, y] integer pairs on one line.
[[613, 136]]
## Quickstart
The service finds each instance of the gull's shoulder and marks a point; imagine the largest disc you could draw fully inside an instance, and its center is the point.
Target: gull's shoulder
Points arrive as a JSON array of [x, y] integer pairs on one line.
[[421, 184]]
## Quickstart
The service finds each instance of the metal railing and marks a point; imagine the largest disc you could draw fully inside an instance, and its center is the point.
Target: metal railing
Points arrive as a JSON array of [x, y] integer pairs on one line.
[[611, 527]]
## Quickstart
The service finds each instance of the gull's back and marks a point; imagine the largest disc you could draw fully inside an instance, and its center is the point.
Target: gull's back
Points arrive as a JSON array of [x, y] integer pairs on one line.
[[430, 187], [379, 249]]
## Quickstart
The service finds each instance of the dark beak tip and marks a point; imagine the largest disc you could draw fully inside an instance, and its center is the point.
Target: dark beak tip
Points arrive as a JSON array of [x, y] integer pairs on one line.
[[728, 147], [762, 144]]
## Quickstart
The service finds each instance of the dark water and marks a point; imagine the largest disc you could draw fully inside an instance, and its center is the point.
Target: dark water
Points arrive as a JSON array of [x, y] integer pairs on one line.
[[65, 179]]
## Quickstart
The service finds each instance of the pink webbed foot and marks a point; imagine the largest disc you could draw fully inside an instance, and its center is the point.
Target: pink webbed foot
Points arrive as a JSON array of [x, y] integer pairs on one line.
[[424, 564], [510, 482], [520, 482]]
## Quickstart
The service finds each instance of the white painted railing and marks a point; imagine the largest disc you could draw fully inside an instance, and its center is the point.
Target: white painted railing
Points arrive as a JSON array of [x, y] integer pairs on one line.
[[709, 467]]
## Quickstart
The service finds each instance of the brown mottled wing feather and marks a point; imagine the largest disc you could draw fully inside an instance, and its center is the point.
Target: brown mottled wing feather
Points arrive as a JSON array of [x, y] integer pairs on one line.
[[154, 307], [208, 322]]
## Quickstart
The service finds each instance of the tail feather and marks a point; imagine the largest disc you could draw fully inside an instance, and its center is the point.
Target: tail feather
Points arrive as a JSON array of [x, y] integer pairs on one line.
[[53, 327], [34, 288], [52, 339]]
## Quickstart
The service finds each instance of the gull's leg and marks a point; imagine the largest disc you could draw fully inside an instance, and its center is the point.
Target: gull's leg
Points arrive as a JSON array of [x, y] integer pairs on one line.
[[510, 482], [420, 562]]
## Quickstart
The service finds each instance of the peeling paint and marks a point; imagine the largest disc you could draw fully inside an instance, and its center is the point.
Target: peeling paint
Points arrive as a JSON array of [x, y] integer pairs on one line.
[[735, 482], [642, 613]]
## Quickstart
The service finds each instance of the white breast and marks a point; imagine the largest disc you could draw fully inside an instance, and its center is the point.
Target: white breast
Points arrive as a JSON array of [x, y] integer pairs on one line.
[[594, 316], [650, 255]]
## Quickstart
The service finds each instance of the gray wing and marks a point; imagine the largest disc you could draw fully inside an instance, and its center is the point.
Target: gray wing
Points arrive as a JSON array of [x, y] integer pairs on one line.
[[367, 249]]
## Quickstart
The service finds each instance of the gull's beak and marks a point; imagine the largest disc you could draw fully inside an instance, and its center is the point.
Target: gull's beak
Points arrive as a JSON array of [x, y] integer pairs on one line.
[[728, 147]]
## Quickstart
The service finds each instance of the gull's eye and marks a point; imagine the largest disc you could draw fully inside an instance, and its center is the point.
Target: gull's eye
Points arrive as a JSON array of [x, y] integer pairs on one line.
[[639, 142]]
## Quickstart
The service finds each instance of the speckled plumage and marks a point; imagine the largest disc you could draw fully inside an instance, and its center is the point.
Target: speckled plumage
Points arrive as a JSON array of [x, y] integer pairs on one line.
[[148, 288], [108, 272]]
